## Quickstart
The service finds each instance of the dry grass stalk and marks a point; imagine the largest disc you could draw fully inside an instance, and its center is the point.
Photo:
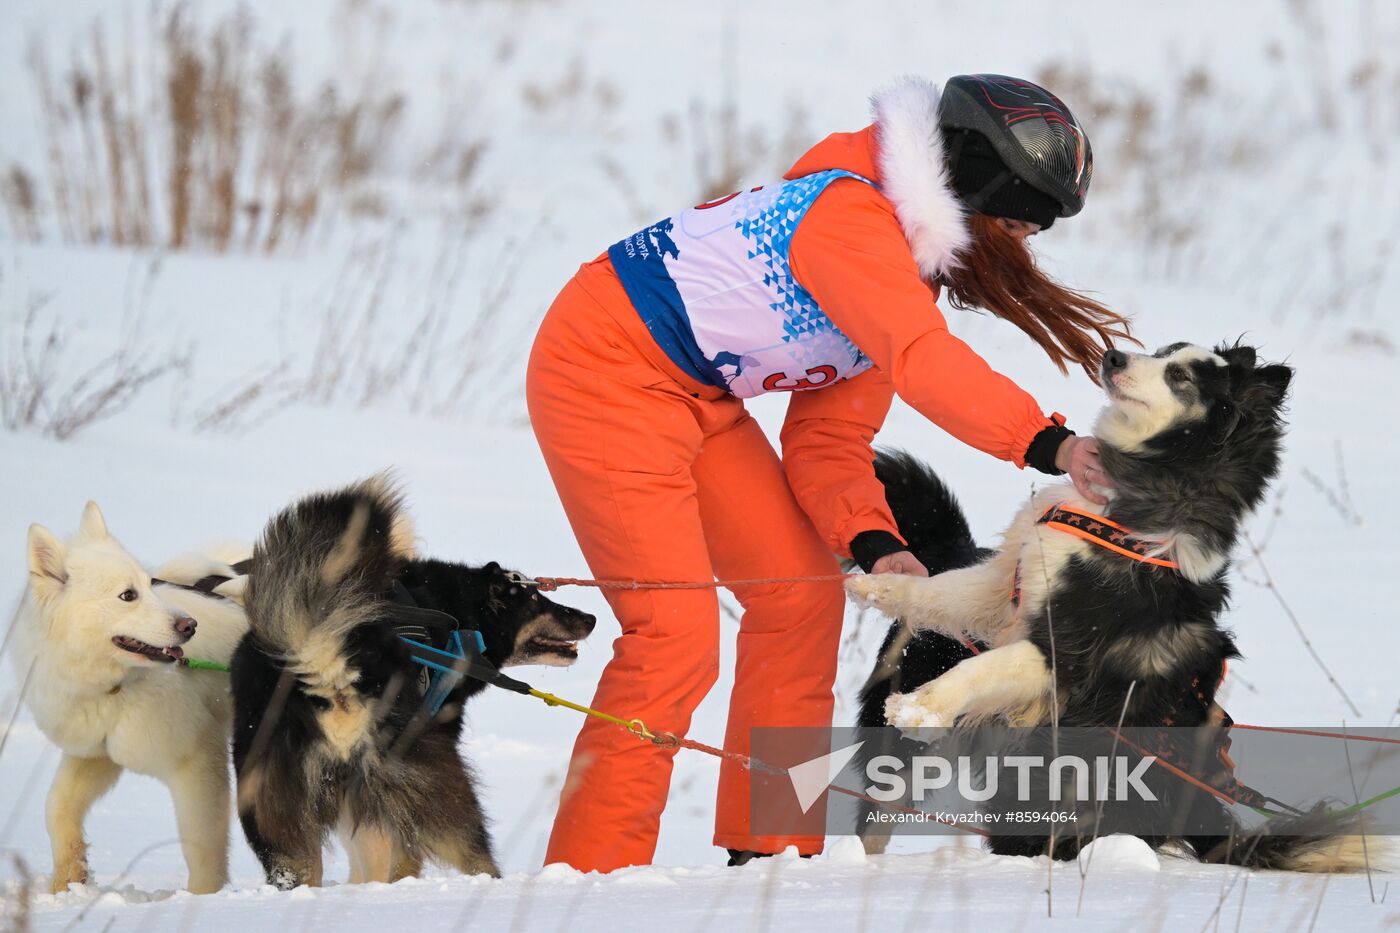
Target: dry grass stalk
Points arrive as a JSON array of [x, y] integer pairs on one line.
[[725, 153], [238, 405], [42, 389], [370, 348], [18, 897], [19, 193], [208, 144]]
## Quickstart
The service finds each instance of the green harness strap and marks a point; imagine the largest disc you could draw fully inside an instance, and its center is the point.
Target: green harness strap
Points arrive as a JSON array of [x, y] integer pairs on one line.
[[198, 665], [1366, 803]]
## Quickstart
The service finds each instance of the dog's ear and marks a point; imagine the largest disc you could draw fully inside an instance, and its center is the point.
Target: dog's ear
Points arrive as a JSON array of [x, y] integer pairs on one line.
[[1275, 380], [1261, 396], [46, 560], [93, 524], [1238, 356]]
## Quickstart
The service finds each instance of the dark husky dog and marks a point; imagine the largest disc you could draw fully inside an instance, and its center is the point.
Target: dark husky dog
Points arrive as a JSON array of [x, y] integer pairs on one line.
[[1192, 439], [330, 727]]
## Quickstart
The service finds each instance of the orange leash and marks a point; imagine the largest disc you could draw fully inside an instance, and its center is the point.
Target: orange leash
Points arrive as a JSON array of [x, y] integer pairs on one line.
[[1321, 735], [547, 584], [1184, 775]]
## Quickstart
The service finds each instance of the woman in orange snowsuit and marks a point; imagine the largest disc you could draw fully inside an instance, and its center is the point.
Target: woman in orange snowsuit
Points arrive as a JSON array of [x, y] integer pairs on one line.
[[824, 286]]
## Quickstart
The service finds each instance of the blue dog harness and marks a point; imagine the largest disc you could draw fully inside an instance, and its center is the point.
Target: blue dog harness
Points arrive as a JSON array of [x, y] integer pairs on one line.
[[447, 668], [464, 657], [462, 653]]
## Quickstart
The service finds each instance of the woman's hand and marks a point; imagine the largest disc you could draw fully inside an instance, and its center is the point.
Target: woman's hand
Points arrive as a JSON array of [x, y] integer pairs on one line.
[[900, 562], [1079, 457]]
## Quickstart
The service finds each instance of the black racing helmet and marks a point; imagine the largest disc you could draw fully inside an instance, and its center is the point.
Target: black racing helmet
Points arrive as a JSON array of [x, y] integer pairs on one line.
[[1004, 133]]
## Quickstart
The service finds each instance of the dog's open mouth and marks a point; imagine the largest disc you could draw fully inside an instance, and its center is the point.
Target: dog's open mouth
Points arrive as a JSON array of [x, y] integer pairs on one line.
[[540, 644], [163, 655], [551, 638], [546, 642]]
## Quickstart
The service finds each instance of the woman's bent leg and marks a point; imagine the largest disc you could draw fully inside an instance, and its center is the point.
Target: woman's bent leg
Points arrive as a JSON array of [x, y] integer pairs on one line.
[[790, 633]]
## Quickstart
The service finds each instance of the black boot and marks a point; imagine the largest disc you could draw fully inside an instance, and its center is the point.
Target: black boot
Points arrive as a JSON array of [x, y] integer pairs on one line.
[[744, 856]]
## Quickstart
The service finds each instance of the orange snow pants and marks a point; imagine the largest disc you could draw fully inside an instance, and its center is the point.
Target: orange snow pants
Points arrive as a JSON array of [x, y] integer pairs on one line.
[[663, 478]]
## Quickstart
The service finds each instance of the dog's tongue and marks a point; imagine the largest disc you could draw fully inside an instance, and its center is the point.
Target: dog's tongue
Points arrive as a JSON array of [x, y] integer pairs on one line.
[[174, 651]]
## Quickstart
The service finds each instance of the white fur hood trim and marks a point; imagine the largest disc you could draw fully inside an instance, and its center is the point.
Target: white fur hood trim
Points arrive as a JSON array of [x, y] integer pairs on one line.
[[914, 177]]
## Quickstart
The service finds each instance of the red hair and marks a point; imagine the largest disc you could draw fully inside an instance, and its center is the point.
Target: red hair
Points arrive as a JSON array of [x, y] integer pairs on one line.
[[999, 274]]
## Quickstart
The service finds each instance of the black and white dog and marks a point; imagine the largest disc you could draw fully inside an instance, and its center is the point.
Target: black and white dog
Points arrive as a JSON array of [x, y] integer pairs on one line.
[[330, 726], [1191, 437]]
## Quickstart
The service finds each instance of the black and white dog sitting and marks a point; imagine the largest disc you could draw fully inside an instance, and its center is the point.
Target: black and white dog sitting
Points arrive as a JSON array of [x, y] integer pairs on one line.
[[1191, 437], [330, 726]]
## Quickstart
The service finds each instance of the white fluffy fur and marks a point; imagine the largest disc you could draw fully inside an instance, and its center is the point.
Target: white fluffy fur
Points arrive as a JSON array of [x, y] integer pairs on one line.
[[1012, 680], [974, 602], [109, 709], [1142, 404], [914, 177], [1196, 561]]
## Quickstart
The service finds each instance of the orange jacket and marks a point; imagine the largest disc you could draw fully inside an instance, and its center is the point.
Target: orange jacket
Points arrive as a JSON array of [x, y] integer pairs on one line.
[[865, 260]]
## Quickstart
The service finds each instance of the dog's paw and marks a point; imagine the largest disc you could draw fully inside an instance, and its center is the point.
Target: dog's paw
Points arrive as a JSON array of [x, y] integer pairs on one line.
[[897, 710], [874, 590], [915, 711], [858, 588], [75, 873]]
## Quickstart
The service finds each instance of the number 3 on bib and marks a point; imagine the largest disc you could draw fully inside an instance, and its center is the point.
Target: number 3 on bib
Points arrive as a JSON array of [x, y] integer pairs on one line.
[[816, 377]]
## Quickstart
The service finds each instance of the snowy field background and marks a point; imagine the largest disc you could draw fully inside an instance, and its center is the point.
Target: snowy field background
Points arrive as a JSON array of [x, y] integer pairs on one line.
[[1246, 183]]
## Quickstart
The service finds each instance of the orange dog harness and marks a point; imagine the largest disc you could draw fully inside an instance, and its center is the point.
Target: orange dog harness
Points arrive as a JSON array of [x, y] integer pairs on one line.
[[1096, 530]]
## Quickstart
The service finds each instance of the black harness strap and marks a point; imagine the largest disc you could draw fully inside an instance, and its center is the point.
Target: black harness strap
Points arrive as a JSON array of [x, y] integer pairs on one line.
[[438, 642], [207, 585], [413, 621]]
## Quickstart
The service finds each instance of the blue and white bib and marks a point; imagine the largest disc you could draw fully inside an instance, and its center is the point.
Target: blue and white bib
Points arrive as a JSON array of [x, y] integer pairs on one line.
[[714, 288]]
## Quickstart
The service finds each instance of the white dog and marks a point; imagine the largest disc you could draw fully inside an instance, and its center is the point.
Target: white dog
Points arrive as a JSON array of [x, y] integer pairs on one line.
[[97, 649]]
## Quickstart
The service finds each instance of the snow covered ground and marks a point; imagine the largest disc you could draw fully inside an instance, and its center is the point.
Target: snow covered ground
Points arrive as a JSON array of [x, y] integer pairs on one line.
[[1254, 192]]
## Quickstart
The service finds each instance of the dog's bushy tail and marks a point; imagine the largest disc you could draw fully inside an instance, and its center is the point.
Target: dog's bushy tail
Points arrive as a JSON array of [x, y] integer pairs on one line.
[[927, 513], [319, 571], [1311, 842]]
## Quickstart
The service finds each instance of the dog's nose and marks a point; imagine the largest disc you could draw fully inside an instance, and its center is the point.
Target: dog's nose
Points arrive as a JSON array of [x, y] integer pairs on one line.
[[588, 620], [185, 626], [1114, 360]]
